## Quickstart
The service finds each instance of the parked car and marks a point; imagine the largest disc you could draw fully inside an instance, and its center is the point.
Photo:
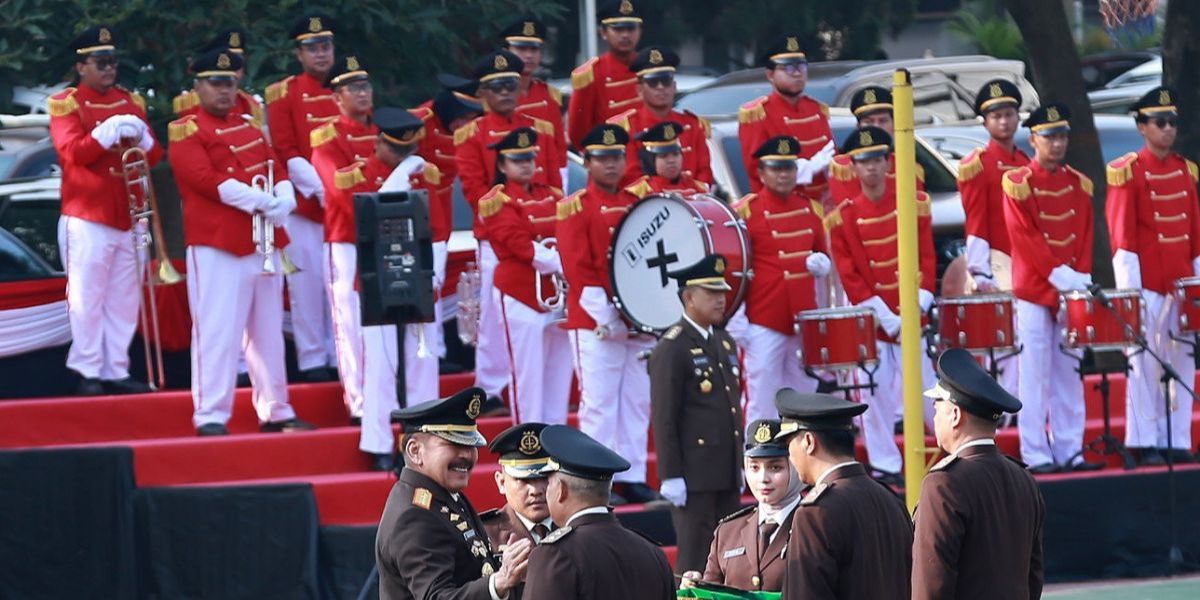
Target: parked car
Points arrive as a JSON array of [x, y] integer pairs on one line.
[[1116, 101], [1101, 68], [29, 211], [943, 88], [1150, 71], [1118, 135]]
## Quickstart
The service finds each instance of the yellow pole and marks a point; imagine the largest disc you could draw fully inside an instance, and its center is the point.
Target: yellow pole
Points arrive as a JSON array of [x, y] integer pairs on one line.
[[910, 311]]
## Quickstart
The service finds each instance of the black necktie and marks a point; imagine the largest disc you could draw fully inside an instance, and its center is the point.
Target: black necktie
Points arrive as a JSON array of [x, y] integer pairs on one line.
[[765, 531], [541, 531]]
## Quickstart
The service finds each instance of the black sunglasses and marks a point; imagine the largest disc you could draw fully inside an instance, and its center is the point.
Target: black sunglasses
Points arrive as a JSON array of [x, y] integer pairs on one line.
[[1164, 122], [104, 62], [659, 82], [502, 85]]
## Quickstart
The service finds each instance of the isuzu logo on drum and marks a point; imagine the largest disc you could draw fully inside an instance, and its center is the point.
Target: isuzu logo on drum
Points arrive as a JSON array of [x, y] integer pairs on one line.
[[633, 252]]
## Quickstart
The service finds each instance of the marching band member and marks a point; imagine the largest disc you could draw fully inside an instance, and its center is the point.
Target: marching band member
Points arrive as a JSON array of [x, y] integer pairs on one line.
[[604, 86], [519, 216], [1048, 213], [525, 38], [661, 158], [215, 155], [296, 106], [863, 235], [788, 111], [91, 125], [614, 406], [791, 253], [872, 107], [1155, 229], [655, 69], [234, 39], [499, 76]]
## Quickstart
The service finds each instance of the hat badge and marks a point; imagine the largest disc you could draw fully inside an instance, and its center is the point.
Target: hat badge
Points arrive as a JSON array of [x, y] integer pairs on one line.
[[1164, 97], [609, 137], [530, 444], [474, 406], [763, 435], [104, 35], [528, 28], [235, 39], [352, 63], [785, 147], [626, 7], [864, 138], [500, 62], [669, 132], [719, 266], [314, 24], [656, 57], [223, 61], [869, 96], [995, 91], [793, 44], [1052, 114], [522, 140]]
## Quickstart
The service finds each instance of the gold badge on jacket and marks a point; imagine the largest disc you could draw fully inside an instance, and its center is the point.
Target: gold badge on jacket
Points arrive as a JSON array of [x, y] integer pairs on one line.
[[705, 386]]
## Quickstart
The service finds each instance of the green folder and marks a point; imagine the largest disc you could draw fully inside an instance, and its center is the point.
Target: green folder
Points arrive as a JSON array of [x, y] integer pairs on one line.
[[715, 591]]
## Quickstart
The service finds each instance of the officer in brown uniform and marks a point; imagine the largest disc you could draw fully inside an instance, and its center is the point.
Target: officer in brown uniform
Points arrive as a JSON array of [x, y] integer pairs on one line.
[[979, 522], [431, 542], [591, 555], [523, 485], [851, 536], [695, 410]]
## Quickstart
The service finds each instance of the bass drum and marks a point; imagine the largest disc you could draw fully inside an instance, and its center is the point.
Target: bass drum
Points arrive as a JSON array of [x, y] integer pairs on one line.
[[664, 233]]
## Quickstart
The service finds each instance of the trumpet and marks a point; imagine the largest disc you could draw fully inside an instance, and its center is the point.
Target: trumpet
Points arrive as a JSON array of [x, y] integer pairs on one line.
[[555, 302], [263, 232], [146, 230]]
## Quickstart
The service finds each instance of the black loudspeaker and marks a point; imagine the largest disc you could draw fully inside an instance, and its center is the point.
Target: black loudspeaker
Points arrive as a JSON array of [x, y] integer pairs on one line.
[[395, 257]]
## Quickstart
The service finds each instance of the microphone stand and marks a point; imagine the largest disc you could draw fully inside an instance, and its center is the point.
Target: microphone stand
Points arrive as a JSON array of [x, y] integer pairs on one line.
[[1174, 553]]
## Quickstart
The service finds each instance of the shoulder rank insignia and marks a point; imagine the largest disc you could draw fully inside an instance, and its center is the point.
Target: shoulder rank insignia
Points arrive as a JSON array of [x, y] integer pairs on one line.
[[63, 103], [556, 535], [185, 101], [1120, 170], [583, 75], [182, 129], [814, 494], [824, 108], [422, 498], [641, 188], [752, 111], [623, 119], [465, 132], [570, 206], [945, 462], [1016, 185], [673, 332], [348, 177], [277, 90], [492, 202], [740, 513]]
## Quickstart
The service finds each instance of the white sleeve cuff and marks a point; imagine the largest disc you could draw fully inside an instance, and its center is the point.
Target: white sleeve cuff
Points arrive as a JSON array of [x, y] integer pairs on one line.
[[492, 589], [1127, 270], [241, 196], [303, 176], [979, 260], [595, 303]]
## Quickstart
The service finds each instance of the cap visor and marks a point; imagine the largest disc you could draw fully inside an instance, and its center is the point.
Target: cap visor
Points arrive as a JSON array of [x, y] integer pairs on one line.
[[472, 439], [316, 39], [663, 149], [766, 451], [868, 155], [716, 287], [528, 472], [938, 392], [606, 152], [523, 43]]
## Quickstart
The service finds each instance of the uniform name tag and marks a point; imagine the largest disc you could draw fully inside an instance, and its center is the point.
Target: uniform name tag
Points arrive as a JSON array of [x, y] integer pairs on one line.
[[468, 534], [735, 552], [699, 361]]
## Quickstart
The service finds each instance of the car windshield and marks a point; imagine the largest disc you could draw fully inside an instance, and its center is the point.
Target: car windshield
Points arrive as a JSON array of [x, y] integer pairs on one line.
[[725, 99], [16, 261]]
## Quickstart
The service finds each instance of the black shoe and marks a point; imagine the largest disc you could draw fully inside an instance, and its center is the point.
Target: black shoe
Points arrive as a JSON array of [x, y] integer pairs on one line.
[[289, 426], [318, 375], [1177, 456], [89, 387], [1148, 457], [209, 429], [895, 480], [638, 493], [493, 407], [1087, 466], [128, 385], [243, 380], [1045, 469], [382, 462]]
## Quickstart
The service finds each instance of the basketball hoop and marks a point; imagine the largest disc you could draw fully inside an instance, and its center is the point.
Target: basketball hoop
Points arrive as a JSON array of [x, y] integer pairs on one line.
[[1118, 14]]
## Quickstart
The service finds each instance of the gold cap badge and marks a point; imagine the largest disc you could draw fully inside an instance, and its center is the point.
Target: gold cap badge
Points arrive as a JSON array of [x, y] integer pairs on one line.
[[474, 406], [314, 24], [763, 435], [793, 45], [235, 39], [530, 444], [352, 63], [865, 139], [500, 62], [656, 57], [669, 132], [1164, 97], [609, 137], [719, 266], [1052, 114], [223, 61], [528, 29], [105, 36], [869, 96], [785, 147], [626, 7], [995, 91], [522, 140]]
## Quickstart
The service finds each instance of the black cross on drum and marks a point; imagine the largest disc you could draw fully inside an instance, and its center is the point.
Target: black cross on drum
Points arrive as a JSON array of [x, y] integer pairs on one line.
[[661, 261]]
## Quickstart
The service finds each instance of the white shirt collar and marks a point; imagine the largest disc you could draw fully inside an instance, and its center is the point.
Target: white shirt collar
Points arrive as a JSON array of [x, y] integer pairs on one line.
[[781, 515], [821, 479], [595, 510], [975, 442], [529, 525], [703, 332]]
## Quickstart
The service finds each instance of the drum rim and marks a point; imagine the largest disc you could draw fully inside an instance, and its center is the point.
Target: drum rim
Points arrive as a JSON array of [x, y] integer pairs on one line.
[[870, 362], [841, 311], [1186, 282], [1113, 293], [980, 351], [990, 298]]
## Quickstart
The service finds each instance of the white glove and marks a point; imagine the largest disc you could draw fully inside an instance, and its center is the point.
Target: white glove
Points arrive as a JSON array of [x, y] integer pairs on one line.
[[820, 161], [985, 284], [546, 260], [1127, 270], [278, 211], [596, 304], [108, 132], [925, 299], [439, 264], [738, 326], [146, 141], [1065, 279], [674, 490], [304, 177], [244, 197], [818, 264], [888, 320], [399, 179], [979, 255]]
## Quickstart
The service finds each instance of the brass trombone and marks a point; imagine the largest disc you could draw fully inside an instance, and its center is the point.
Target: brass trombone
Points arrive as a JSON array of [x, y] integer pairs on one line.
[[263, 232], [554, 302], [146, 229]]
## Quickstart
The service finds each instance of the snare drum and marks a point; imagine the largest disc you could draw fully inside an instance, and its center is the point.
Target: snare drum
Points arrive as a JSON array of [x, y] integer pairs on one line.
[[976, 323], [837, 338], [1187, 293], [1091, 325]]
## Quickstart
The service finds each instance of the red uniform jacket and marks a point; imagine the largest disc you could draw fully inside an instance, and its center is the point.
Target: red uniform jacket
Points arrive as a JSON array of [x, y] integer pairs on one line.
[[647, 185], [543, 102], [1049, 220], [93, 184], [1152, 212], [338, 145], [783, 233], [205, 151], [768, 116], [603, 88], [363, 177], [477, 162], [983, 201], [586, 221], [437, 147], [188, 103], [693, 138], [844, 184], [862, 233], [296, 106], [515, 218]]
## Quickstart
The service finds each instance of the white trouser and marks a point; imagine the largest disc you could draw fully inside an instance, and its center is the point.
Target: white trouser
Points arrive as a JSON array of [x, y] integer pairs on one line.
[[492, 368], [1050, 390], [887, 401], [1145, 421], [341, 270], [541, 383], [312, 331], [772, 362], [231, 301], [614, 404], [103, 286]]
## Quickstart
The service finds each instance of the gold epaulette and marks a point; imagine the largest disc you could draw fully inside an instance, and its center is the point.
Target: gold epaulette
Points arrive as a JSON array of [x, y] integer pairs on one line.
[[348, 177], [63, 106], [639, 188], [819, 210], [570, 206], [182, 129], [1085, 182], [433, 174], [555, 94], [583, 75], [136, 98], [1120, 170], [185, 101], [752, 111], [1192, 169], [742, 208], [704, 124], [840, 168], [622, 119], [277, 90], [256, 109], [672, 333], [924, 205], [1015, 185], [834, 218], [492, 202], [465, 132], [543, 127], [322, 135], [971, 165]]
